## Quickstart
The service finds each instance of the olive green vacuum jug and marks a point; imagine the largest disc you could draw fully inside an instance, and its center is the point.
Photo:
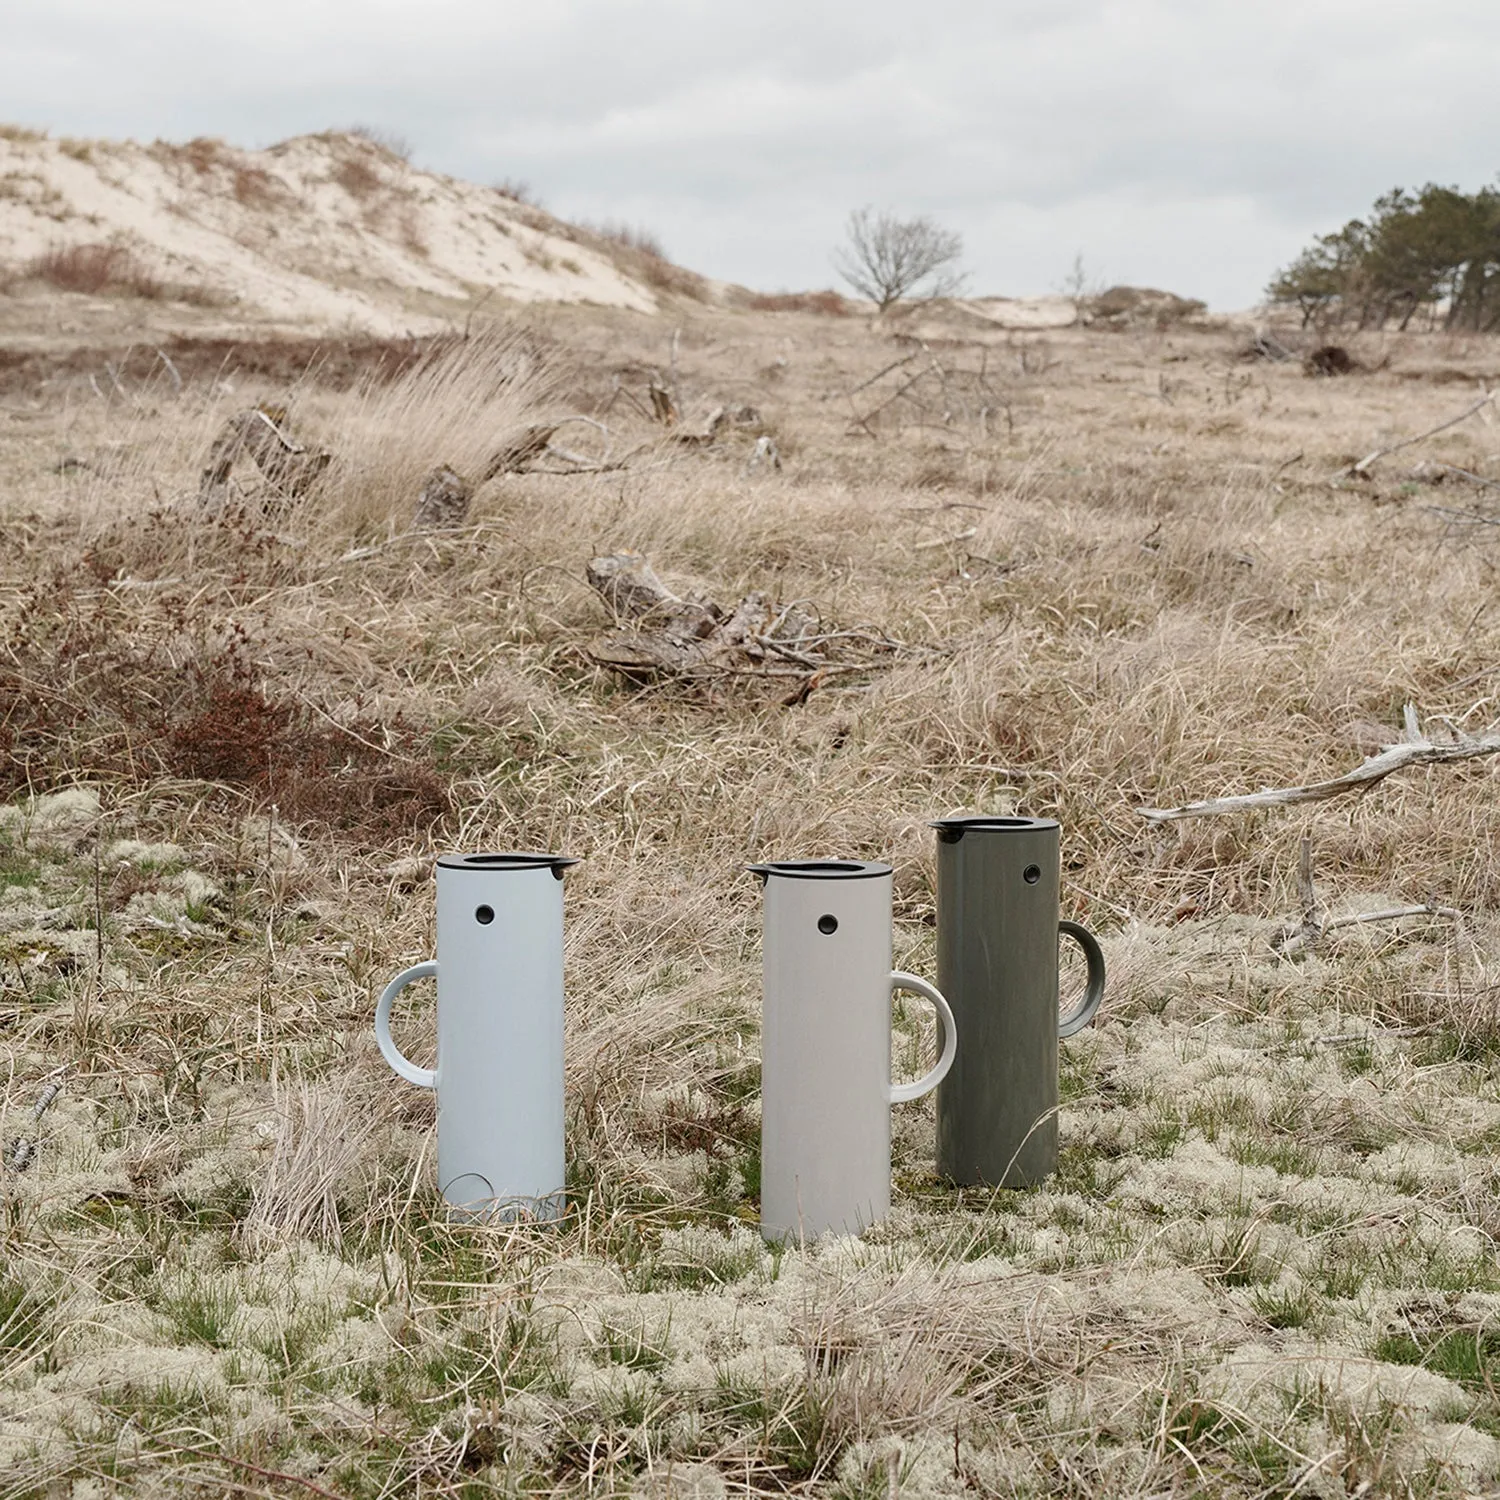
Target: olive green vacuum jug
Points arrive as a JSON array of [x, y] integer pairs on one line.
[[998, 885]]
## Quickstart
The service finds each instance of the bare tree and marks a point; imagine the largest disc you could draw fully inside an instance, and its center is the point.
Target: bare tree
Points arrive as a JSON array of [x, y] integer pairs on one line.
[[887, 258]]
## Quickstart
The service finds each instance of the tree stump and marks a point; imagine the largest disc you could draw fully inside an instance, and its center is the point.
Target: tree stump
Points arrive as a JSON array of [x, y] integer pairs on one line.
[[289, 467], [443, 501]]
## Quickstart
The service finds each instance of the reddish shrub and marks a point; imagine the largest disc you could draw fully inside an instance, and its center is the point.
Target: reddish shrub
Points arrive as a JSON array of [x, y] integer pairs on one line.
[[357, 178], [829, 303], [255, 188], [85, 688], [202, 153], [93, 269]]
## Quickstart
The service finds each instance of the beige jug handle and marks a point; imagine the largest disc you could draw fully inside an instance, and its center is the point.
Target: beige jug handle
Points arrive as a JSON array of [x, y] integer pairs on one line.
[[901, 1092]]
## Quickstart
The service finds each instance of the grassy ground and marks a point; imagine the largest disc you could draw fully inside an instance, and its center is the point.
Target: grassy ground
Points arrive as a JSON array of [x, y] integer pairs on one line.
[[1121, 573]]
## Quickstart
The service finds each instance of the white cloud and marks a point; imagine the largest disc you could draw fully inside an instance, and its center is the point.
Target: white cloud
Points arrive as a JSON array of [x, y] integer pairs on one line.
[[1186, 143]]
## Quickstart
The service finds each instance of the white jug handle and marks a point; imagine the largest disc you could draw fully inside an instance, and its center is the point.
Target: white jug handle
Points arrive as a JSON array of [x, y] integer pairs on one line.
[[901, 1092], [426, 1077]]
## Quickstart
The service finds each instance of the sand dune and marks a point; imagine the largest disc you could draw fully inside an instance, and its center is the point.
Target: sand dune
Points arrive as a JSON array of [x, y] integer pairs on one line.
[[324, 232]]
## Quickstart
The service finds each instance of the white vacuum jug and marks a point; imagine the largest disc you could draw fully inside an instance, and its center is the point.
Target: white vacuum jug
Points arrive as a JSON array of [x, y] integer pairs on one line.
[[499, 1074], [826, 1047]]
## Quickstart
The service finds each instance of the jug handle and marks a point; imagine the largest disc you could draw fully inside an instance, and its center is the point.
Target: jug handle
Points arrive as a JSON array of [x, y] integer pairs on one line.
[[901, 1092], [425, 1077], [1084, 1012]]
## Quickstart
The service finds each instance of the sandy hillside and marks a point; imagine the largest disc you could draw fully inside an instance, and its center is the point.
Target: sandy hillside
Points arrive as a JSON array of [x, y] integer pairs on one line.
[[331, 232]]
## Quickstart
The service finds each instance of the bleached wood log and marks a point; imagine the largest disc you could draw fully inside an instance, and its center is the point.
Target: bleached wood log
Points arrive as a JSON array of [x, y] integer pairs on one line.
[[443, 501]]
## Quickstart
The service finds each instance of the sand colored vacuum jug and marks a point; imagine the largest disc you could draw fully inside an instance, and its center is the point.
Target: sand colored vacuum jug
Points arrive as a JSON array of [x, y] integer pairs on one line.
[[998, 883], [499, 1074], [826, 1087]]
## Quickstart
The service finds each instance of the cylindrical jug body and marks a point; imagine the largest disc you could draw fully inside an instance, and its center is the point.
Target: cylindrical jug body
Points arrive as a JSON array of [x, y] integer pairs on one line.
[[825, 1048], [998, 882], [826, 1087], [499, 1074]]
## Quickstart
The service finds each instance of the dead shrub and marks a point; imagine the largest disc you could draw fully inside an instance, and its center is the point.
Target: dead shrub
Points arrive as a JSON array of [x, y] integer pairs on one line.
[[630, 237], [409, 231], [643, 256], [357, 178], [203, 153], [254, 187], [95, 269], [828, 304], [88, 688], [518, 191]]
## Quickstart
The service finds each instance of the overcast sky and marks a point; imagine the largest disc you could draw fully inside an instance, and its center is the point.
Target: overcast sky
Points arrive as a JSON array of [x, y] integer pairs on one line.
[[1194, 145]]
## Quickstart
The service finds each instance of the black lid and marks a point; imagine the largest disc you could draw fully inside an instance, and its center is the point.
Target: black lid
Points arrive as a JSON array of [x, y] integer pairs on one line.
[[557, 863], [820, 869], [951, 830]]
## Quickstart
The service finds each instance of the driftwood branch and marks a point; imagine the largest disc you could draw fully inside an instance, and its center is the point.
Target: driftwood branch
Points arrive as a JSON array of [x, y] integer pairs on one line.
[[1412, 751], [1315, 924], [1363, 466], [1469, 474], [1302, 939], [1457, 522]]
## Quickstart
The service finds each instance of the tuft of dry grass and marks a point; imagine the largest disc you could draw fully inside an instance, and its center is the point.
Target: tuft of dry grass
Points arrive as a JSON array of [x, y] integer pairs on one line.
[[358, 178], [391, 142]]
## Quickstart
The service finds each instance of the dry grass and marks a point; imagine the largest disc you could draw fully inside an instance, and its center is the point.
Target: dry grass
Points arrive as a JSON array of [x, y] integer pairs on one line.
[[1267, 1264], [95, 270]]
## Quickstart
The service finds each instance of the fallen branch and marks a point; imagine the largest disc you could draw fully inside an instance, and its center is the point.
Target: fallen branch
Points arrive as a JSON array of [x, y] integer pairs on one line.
[[1302, 939], [1469, 474], [1411, 751], [22, 1151], [1461, 520], [945, 541], [1363, 466], [520, 453]]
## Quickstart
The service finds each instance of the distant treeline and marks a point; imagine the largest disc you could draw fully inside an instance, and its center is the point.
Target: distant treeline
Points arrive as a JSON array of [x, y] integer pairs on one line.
[[1432, 256]]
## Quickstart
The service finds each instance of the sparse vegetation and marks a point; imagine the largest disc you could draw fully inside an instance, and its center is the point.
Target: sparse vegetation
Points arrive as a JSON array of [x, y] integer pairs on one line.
[[234, 743], [889, 260], [643, 256], [518, 191], [357, 177], [392, 142]]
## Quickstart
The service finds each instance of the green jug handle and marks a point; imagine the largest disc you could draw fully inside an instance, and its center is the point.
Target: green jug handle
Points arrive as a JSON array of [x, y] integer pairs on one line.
[[1084, 1012]]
